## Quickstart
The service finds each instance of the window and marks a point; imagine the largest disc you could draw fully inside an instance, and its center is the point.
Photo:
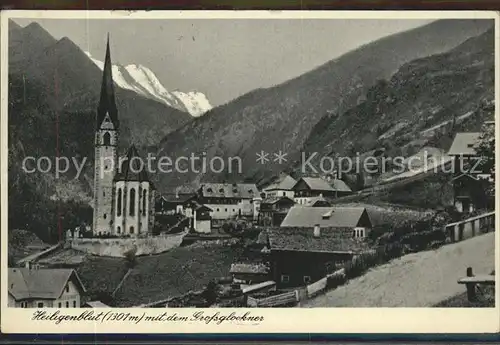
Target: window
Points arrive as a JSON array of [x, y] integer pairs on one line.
[[67, 304], [67, 288], [40, 304], [119, 203], [104, 215], [74, 304], [107, 139], [118, 229], [59, 305], [131, 229], [307, 279], [225, 209], [24, 304], [285, 278], [218, 210], [103, 192], [144, 195], [132, 202], [284, 193]]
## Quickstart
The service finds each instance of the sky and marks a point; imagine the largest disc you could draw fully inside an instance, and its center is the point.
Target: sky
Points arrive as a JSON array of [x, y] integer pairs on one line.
[[223, 58]]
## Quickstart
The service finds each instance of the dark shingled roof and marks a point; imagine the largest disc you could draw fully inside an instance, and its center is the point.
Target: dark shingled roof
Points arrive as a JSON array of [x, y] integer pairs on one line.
[[40, 283], [331, 240], [228, 190], [107, 104], [177, 198], [306, 216], [284, 182], [131, 169], [339, 185], [317, 183]]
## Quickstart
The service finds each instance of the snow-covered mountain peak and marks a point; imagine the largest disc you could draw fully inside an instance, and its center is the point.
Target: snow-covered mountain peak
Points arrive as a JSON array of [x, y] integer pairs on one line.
[[143, 81]]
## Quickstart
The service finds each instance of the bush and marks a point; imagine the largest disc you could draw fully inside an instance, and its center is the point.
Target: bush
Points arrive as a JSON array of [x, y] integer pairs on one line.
[[131, 258]]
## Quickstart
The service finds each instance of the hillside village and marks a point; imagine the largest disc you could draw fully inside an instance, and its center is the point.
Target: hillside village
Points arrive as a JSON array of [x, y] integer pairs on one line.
[[288, 240]]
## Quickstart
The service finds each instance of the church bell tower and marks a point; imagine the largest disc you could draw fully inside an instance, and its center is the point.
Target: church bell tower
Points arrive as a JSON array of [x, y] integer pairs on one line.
[[105, 163]]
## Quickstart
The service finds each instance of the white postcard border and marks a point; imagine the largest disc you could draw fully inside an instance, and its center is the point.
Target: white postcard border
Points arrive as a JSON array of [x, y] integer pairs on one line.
[[276, 320]]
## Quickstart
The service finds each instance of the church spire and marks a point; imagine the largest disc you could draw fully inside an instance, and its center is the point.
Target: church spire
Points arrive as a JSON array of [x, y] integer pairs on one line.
[[107, 100]]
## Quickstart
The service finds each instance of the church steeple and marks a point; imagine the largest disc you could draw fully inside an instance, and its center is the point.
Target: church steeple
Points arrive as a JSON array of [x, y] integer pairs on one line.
[[107, 104]]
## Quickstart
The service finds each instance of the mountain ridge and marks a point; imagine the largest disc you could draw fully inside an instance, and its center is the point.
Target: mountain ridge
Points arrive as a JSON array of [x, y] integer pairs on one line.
[[142, 80], [281, 117]]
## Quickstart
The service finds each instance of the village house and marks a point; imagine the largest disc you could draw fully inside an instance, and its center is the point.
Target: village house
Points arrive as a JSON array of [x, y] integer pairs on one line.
[[199, 215], [463, 151], [44, 288], [173, 203], [468, 186], [228, 200], [301, 256], [356, 219], [274, 209], [282, 187], [312, 187]]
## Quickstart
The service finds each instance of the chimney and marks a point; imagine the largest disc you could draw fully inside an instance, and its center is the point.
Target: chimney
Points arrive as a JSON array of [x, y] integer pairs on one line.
[[317, 230]]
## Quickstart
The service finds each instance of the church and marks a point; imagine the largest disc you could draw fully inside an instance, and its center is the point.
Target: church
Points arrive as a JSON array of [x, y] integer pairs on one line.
[[123, 193]]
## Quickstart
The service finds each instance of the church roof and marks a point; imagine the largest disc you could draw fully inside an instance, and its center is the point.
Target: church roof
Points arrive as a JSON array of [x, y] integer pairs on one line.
[[107, 104], [133, 168]]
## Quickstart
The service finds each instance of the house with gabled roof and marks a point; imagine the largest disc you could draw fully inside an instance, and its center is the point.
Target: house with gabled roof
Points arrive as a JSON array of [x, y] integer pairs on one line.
[[228, 200], [274, 209], [44, 288], [302, 255], [469, 191], [282, 187], [312, 187], [356, 219]]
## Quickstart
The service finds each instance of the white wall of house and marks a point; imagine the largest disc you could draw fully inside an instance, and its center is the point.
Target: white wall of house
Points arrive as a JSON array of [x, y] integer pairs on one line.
[[360, 232], [279, 193], [224, 211], [203, 226], [70, 298], [303, 200]]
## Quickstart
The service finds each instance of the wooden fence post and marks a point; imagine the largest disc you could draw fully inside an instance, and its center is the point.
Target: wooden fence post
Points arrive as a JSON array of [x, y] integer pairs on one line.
[[471, 287]]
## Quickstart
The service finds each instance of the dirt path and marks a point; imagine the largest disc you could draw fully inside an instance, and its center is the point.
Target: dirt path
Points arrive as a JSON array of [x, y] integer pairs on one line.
[[415, 280]]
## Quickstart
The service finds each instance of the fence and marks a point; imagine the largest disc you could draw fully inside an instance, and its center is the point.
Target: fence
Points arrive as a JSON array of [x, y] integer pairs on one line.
[[317, 287], [470, 227], [287, 298], [39, 255]]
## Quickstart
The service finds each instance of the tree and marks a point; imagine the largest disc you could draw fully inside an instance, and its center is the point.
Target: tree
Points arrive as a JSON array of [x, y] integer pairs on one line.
[[486, 150], [131, 258]]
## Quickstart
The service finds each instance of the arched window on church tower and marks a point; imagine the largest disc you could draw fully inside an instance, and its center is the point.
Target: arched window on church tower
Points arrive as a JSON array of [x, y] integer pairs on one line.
[[132, 202], [144, 195], [119, 203], [107, 139]]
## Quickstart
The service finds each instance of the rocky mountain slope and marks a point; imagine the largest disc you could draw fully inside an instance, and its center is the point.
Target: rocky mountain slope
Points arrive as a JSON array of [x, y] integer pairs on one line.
[[71, 82], [282, 117], [143, 81], [422, 106]]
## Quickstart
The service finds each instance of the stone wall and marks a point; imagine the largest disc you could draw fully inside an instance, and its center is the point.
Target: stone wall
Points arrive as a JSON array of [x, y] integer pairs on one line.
[[117, 247]]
